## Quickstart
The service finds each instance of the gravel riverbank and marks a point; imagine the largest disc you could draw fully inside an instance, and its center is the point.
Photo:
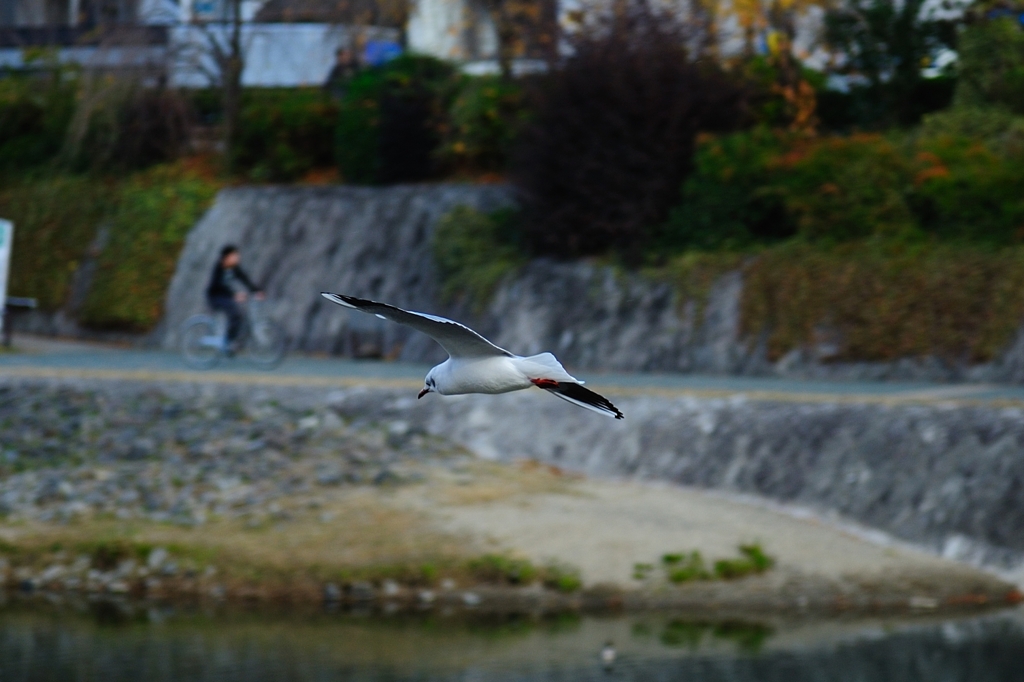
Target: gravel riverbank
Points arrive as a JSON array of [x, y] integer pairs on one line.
[[221, 492]]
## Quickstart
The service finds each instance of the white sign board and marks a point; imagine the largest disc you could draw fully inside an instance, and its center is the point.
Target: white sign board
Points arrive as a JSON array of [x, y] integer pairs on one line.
[[6, 239]]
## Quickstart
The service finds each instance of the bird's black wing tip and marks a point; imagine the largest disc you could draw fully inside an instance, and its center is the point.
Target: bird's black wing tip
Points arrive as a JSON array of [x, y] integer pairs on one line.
[[584, 396], [348, 301]]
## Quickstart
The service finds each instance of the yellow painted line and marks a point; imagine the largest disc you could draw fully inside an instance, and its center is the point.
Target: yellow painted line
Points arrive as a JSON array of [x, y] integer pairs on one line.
[[295, 380]]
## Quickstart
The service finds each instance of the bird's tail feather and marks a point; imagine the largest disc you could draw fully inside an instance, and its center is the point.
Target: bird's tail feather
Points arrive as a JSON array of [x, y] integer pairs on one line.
[[584, 397]]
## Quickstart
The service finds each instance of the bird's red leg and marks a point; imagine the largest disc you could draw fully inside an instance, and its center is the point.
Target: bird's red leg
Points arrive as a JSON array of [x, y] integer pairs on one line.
[[544, 383]]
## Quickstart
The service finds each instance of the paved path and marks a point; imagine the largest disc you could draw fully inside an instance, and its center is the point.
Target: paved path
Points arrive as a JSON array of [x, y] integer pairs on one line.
[[44, 358]]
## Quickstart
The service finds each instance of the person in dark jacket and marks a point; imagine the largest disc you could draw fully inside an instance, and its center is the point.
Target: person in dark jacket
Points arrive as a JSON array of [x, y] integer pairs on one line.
[[230, 287]]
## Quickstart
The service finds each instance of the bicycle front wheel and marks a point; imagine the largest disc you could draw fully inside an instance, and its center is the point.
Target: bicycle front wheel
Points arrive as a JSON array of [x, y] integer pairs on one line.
[[200, 343], [265, 345]]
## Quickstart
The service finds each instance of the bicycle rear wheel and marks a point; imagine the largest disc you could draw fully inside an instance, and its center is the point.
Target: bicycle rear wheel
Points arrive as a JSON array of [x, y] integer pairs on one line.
[[265, 346], [200, 343]]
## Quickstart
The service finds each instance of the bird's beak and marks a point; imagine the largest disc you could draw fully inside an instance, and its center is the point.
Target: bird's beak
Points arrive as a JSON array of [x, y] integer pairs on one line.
[[423, 393]]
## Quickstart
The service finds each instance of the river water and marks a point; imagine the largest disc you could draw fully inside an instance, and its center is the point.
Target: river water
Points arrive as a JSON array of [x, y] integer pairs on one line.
[[114, 643]]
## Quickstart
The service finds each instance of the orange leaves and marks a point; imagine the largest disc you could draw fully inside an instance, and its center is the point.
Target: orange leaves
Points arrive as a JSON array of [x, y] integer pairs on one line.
[[933, 168], [931, 172]]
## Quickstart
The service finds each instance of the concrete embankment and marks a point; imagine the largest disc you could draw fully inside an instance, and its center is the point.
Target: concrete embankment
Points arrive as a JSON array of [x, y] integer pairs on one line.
[[376, 243]]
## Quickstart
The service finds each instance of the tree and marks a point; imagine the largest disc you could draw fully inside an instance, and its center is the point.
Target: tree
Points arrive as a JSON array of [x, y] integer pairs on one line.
[[992, 62], [612, 135], [522, 27], [214, 48], [885, 44]]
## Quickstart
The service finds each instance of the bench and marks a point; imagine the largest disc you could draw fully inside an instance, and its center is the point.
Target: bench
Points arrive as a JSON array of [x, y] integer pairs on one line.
[[15, 304]]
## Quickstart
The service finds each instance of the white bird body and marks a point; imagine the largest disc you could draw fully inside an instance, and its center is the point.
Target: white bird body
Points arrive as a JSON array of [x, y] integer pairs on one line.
[[458, 376], [475, 365], [495, 374]]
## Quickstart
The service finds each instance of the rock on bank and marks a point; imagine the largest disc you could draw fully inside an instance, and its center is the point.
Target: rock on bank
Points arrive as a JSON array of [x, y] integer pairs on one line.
[[299, 241]]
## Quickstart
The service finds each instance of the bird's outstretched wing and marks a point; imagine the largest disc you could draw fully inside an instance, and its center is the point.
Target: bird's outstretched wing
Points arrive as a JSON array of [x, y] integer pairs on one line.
[[458, 340]]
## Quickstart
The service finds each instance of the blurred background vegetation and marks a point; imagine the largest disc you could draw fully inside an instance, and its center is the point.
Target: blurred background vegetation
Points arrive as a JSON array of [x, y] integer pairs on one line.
[[877, 199]]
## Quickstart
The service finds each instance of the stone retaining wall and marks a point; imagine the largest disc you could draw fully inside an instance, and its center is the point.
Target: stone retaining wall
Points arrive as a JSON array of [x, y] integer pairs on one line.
[[375, 243]]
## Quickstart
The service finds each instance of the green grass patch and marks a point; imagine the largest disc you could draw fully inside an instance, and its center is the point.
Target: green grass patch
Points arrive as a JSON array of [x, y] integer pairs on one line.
[[153, 214], [562, 578], [686, 568], [146, 216], [474, 252], [642, 571], [500, 569], [752, 562], [681, 567], [55, 220], [694, 273], [881, 301]]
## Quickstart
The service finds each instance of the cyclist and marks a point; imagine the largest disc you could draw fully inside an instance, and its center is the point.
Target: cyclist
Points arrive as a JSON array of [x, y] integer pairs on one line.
[[229, 287]]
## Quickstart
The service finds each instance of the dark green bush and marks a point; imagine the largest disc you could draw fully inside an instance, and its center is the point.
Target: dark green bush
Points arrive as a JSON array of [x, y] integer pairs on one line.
[[390, 119], [357, 135], [841, 188], [147, 217], [90, 123], [991, 68], [55, 219], [860, 109], [996, 127], [482, 123], [966, 191], [152, 214], [760, 187], [959, 178], [284, 133], [35, 110], [726, 202], [127, 126]]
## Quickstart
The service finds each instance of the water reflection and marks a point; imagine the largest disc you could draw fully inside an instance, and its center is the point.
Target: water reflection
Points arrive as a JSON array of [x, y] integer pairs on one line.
[[114, 642]]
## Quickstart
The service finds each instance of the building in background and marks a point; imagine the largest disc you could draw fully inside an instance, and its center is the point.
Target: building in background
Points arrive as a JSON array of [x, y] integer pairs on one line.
[[286, 43], [476, 32]]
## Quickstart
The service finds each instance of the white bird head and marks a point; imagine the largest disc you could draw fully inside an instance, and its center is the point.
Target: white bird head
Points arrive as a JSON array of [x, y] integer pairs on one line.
[[429, 385]]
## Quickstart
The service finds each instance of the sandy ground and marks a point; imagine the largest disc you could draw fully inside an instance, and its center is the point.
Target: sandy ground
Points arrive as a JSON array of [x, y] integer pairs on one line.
[[459, 508], [604, 527]]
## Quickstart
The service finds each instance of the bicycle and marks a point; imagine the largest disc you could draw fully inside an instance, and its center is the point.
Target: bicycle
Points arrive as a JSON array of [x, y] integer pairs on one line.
[[260, 340]]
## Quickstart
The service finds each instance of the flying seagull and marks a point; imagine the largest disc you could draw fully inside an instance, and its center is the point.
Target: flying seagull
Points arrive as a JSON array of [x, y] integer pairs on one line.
[[475, 365]]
